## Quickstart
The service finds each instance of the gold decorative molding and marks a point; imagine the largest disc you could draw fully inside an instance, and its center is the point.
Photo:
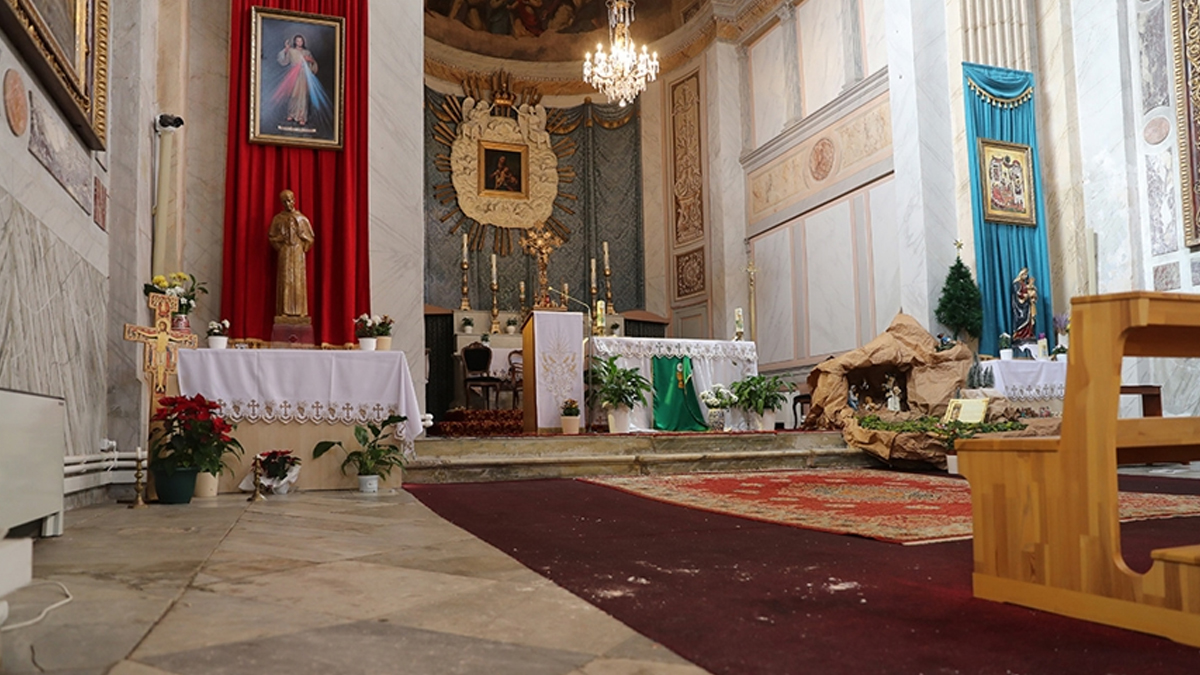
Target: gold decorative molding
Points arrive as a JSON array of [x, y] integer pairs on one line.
[[1185, 33]]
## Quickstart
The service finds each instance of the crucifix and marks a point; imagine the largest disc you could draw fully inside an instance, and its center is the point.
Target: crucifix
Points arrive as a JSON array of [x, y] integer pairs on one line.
[[161, 345], [540, 242]]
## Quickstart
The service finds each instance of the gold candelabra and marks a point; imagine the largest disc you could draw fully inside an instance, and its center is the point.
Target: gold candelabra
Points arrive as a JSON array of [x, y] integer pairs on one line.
[[466, 300], [139, 484], [595, 291], [258, 495], [495, 309], [608, 306]]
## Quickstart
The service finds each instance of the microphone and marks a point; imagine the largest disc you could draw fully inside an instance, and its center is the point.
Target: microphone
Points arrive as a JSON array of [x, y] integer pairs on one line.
[[571, 298]]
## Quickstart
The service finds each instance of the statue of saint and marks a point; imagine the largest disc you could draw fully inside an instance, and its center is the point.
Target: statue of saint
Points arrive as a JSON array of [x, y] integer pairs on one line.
[[292, 236], [1024, 307]]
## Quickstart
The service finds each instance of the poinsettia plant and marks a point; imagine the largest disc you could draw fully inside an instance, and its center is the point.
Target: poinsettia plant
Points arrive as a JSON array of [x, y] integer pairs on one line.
[[276, 463], [188, 433]]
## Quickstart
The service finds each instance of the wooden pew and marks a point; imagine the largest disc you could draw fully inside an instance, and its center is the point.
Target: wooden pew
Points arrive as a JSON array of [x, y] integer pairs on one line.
[[1046, 528]]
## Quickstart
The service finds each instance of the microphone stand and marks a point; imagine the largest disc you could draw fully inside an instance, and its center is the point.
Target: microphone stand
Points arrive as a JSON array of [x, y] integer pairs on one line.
[[591, 346]]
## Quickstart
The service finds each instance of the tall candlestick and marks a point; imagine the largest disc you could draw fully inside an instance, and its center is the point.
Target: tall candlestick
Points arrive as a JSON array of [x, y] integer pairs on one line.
[[495, 328], [606, 256], [565, 294], [593, 271], [464, 247], [466, 298], [493, 268]]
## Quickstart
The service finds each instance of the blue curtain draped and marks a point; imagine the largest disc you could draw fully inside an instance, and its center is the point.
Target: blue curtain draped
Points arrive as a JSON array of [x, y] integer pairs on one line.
[[1000, 106]]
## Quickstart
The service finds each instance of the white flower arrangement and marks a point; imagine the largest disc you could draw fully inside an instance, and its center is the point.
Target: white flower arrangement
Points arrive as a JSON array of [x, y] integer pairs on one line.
[[719, 397], [218, 328]]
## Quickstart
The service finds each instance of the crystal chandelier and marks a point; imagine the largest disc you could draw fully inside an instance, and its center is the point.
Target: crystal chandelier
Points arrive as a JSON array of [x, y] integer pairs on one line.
[[623, 73]]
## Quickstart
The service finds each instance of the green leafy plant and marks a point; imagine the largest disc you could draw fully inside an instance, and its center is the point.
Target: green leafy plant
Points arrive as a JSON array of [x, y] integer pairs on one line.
[[961, 306], [612, 386], [377, 456], [759, 393], [189, 434], [468, 321], [512, 321], [276, 463], [1005, 341], [948, 432], [570, 408]]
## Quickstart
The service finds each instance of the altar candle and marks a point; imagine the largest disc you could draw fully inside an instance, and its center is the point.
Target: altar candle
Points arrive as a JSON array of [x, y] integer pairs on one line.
[[565, 293], [522, 287], [737, 319], [606, 269], [593, 272], [600, 314], [493, 268], [464, 248]]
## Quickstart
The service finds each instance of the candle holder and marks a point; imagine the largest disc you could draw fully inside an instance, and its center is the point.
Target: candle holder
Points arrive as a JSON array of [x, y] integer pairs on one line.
[[595, 292], [466, 300], [495, 310], [258, 495], [139, 485], [608, 309]]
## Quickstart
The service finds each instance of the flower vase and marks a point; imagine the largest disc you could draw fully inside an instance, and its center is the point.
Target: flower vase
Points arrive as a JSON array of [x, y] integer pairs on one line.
[[1006, 354], [218, 341], [618, 421], [180, 323], [570, 424], [1063, 340], [510, 329], [206, 485], [367, 344], [383, 343], [716, 419]]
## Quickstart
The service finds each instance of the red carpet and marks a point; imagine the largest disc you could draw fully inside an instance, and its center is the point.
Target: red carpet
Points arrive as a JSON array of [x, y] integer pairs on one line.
[[741, 597], [890, 506]]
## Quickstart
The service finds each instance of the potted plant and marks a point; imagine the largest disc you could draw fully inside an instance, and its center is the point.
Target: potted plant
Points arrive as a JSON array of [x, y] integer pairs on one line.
[[218, 334], [1006, 352], [718, 400], [615, 330], [383, 332], [570, 417], [468, 325], [617, 389], [188, 438], [183, 286], [364, 330], [1062, 326], [510, 326], [278, 470], [761, 396], [377, 455]]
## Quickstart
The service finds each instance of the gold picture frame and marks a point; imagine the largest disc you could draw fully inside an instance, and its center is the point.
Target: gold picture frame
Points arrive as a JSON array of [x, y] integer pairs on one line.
[[503, 170], [1006, 182], [1185, 20], [297, 78], [970, 410], [65, 43]]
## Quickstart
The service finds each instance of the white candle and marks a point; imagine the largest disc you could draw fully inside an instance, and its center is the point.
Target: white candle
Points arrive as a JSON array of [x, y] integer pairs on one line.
[[606, 256], [565, 293], [737, 319], [593, 272], [522, 287], [493, 268], [600, 313], [464, 248]]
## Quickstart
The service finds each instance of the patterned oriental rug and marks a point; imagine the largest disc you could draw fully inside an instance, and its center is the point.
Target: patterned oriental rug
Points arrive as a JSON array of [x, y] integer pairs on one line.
[[904, 508]]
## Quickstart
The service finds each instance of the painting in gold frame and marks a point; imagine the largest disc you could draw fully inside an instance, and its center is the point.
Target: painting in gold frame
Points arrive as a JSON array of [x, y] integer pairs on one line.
[[65, 43], [297, 78], [503, 170], [1006, 173], [1185, 21]]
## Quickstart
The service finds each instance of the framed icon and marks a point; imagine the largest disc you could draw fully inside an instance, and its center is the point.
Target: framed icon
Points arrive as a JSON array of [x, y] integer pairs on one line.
[[503, 170], [1006, 171]]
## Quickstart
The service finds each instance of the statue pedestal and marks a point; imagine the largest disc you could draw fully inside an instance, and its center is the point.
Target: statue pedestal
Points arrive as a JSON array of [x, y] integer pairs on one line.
[[292, 332]]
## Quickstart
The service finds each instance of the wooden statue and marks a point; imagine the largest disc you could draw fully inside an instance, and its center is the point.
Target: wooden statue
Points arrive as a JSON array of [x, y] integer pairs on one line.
[[292, 236]]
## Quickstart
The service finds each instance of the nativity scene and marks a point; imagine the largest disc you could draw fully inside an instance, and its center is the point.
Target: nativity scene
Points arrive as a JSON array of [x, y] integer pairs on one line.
[[598, 336]]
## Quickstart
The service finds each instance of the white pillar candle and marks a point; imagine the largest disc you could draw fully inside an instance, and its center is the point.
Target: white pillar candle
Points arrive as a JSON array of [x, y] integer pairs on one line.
[[464, 248], [737, 319], [599, 313], [493, 268], [606, 269], [593, 272], [522, 287], [565, 293]]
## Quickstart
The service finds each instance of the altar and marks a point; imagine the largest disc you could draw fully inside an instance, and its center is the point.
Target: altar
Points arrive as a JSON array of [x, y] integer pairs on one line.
[[1031, 384], [712, 362], [292, 399]]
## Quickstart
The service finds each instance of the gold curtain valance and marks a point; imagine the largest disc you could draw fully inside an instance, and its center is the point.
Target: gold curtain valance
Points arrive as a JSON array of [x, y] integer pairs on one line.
[[1015, 102]]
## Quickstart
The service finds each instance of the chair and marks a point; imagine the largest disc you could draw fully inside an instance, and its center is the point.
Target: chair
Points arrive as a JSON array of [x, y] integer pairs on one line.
[[477, 364], [516, 376]]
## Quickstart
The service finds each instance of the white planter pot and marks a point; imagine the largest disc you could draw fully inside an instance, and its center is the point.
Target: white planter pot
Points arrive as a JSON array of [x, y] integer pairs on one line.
[[1006, 355], [383, 343], [206, 485], [570, 425], [468, 329], [368, 484], [1063, 339], [218, 341], [763, 422], [510, 329], [618, 421], [367, 344]]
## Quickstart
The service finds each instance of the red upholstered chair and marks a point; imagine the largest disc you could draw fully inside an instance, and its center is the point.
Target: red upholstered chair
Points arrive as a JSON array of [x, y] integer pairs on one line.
[[477, 365]]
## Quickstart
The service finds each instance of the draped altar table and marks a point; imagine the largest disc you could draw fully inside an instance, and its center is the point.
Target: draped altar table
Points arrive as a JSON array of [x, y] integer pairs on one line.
[[292, 399], [713, 362], [1031, 384]]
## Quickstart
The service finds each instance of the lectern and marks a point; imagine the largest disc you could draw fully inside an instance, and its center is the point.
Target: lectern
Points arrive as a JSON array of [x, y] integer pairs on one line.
[[553, 354]]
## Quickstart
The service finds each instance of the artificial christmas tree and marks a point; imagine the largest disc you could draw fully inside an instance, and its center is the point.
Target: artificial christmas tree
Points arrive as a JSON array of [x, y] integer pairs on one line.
[[961, 306]]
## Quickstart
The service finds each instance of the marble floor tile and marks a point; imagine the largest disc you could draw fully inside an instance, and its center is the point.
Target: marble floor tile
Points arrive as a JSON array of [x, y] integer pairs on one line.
[[465, 557], [641, 648], [134, 668], [634, 667]]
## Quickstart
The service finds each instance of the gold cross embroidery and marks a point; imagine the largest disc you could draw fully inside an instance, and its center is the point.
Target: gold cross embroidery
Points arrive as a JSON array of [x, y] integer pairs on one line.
[[161, 345]]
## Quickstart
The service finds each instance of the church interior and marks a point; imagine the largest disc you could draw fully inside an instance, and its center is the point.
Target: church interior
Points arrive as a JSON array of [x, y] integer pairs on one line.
[[655, 337]]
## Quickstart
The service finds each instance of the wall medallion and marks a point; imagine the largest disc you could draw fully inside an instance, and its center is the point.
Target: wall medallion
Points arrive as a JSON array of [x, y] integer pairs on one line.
[[689, 274], [16, 102], [820, 161]]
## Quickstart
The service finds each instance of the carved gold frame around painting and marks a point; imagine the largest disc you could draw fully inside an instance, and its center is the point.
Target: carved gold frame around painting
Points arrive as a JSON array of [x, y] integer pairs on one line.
[[989, 147], [1185, 31], [78, 86]]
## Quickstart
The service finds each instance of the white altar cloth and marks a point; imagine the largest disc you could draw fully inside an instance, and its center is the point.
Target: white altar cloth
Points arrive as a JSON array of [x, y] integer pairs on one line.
[[306, 386], [1022, 380], [713, 362]]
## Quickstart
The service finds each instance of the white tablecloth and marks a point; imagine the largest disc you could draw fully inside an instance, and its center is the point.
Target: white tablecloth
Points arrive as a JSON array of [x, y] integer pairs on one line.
[[313, 386], [713, 362], [1022, 380]]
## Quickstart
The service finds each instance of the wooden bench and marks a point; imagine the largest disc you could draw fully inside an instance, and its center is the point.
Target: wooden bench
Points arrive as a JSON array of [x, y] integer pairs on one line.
[[1046, 528]]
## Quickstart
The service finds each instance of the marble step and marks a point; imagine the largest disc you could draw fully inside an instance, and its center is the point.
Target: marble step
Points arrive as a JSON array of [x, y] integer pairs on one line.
[[526, 458]]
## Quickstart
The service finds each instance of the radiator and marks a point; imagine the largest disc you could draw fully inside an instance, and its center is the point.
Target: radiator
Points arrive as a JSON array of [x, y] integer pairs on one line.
[[33, 441]]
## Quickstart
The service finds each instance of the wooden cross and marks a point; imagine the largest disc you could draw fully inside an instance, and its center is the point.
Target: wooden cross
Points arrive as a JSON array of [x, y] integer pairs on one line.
[[540, 242], [161, 344]]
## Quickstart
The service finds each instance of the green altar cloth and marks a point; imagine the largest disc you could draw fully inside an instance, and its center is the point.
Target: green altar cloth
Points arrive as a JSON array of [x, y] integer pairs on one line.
[[676, 406]]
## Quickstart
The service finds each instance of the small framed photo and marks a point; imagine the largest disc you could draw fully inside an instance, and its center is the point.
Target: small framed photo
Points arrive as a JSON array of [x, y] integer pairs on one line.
[[503, 170], [297, 64], [1006, 170]]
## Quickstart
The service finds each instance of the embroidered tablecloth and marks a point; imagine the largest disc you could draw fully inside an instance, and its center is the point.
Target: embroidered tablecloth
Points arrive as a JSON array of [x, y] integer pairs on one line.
[[1023, 380]]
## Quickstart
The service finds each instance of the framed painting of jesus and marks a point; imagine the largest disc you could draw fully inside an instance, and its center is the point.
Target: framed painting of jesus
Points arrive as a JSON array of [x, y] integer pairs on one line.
[[1006, 171], [297, 63]]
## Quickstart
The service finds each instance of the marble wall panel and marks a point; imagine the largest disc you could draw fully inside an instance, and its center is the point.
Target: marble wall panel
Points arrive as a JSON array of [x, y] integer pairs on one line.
[[1195, 271], [823, 55], [654, 214], [1166, 277], [830, 277], [60, 151], [727, 207], [775, 296], [768, 82], [397, 238], [1154, 58], [885, 242], [874, 35], [53, 312], [1164, 219]]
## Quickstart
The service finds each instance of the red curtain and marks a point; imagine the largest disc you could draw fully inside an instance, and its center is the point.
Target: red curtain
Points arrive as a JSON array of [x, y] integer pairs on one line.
[[330, 187]]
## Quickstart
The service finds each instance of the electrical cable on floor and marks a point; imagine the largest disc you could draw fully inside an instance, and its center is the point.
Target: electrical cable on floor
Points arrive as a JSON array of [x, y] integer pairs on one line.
[[60, 603]]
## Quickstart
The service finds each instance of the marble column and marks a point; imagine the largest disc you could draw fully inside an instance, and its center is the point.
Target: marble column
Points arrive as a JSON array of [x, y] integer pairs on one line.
[[727, 198]]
